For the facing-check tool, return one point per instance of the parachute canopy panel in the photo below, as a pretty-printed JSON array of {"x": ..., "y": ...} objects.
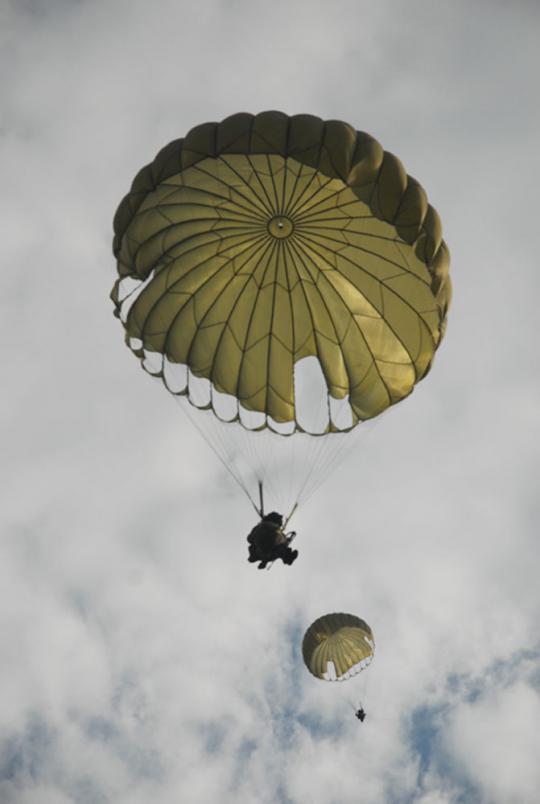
[
  {"x": 337, "y": 646},
  {"x": 265, "y": 239}
]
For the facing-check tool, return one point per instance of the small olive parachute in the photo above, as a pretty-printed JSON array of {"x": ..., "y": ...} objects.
[
  {"x": 337, "y": 646},
  {"x": 282, "y": 273}
]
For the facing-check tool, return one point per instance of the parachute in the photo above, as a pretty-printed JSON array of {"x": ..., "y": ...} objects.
[
  {"x": 337, "y": 646},
  {"x": 285, "y": 276}
]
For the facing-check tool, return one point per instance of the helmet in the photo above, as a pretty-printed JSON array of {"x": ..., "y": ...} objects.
[{"x": 273, "y": 517}]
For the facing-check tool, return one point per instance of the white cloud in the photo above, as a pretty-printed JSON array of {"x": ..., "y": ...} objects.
[
  {"x": 495, "y": 740},
  {"x": 143, "y": 659}
]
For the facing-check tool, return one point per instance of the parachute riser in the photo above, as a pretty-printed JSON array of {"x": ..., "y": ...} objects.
[
  {"x": 292, "y": 512},
  {"x": 261, "y": 500}
]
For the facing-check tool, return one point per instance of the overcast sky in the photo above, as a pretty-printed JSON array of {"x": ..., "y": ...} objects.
[{"x": 142, "y": 658}]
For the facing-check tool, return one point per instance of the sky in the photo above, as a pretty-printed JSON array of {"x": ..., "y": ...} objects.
[{"x": 142, "y": 658}]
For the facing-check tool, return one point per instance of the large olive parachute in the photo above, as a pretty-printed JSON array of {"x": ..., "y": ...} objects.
[
  {"x": 255, "y": 243},
  {"x": 337, "y": 646}
]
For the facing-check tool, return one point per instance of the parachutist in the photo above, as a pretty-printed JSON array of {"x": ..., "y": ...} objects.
[
  {"x": 360, "y": 714},
  {"x": 268, "y": 542},
  {"x": 336, "y": 647}
]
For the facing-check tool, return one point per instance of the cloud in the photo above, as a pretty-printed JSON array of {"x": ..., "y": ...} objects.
[
  {"x": 494, "y": 740},
  {"x": 143, "y": 658}
]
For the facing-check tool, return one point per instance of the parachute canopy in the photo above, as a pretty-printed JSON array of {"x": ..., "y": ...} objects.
[
  {"x": 337, "y": 646},
  {"x": 257, "y": 242}
]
